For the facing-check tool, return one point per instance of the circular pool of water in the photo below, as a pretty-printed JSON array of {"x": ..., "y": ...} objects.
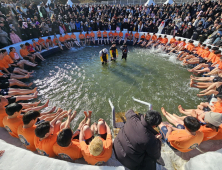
[{"x": 76, "y": 79}]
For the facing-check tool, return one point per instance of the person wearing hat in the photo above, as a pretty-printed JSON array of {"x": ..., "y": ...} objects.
[
  {"x": 124, "y": 49},
  {"x": 95, "y": 149},
  {"x": 103, "y": 54},
  {"x": 211, "y": 126},
  {"x": 113, "y": 52}
]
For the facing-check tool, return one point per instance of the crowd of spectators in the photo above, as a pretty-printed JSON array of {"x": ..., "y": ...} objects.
[{"x": 20, "y": 21}]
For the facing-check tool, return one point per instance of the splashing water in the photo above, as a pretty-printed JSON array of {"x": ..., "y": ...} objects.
[{"x": 76, "y": 79}]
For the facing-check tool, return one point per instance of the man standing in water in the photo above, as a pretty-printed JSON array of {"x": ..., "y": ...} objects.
[
  {"x": 124, "y": 49},
  {"x": 103, "y": 54},
  {"x": 113, "y": 52}
]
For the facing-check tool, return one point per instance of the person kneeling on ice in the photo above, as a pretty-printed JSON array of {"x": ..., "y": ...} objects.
[
  {"x": 103, "y": 54},
  {"x": 137, "y": 145},
  {"x": 124, "y": 49},
  {"x": 113, "y": 52},
  {"x": 185, "y": 137},
  {"x": 95, "y": 149}
]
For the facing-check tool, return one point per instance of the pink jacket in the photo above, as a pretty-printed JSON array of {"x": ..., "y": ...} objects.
[{"x": 15, "y": 38}]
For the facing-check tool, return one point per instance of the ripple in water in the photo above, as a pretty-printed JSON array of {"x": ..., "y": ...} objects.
[{"x": 76, "y": 79}]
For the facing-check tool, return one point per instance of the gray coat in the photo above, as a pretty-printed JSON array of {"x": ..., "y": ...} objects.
[{"x": 4, "y": 38}]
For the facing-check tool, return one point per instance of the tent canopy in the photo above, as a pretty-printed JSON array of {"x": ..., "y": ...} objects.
[
  {"x": 149, "y": 2},
  {"x": 169, "y": 2},
  {"x": 48, "y": 2},
  {"x": 69, "y": 2}
]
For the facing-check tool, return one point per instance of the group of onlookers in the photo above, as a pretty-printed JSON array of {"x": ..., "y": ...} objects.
[{"x": 21, "y": 21}]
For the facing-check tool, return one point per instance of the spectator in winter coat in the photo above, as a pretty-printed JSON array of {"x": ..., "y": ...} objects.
[
  {"x": 14, "y": 38},
  {"x": 3, "y": 38},
  {"x": 138, "y": 145}
]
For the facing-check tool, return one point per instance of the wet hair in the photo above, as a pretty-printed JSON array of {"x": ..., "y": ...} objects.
[
  {"x": 215, "y": 48},
  {"x": 12, "y": 108},
  {"x": 217, "y": 52},
  {"x": 179, "y": 39},
  {"x": 29, "y": 116},
  {"x": 159, "y": 36},
  {"x": 11, "y": 48},
  {"x": 200, "y": 43},
  {"x": 192, "y": 123},
  {"x": 209, "y": 47},
  {"x": 165, "y": 36},
  {"x": 49, "y": 38},
  {"x": 42, "y": 129},
  {"x": 208, "y": 125},
  {"x": 3, "y": 50},
  {"x": 153, "y": 118},
  {"x": 184, "y": 40},
  {"x": 21, "y": 45},
  {"x": 27, "y": 44},
  {"x": 64, "y": 137},
  {"x": 204, "y": 45}
]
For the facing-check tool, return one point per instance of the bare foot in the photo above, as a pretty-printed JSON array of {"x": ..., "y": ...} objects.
[
  {"x": 2, "y": 152},
  {"x": 192, "y": 77},
  {"x": 90, "y": 112},
  {"x": 181, "y": 110},
  {"x": 163, "y": 111},
  {"x": 191, "y": 83},
  {"x": 53, "y": 109},
  {"x": 85, "y": 113},
  {"x": 31, "y": 72},
  {"x": 190, "y": 70},
  {"x": 194, "y": 114},
  {"x": 47, "y": 103},
  {"x": 200, "y": 95},
  {"x": 34, "y": 90},
  {"x": 36, "y": 95},
  {"x": 37, "y": 103},
  {"x": 27, "y": 75},
  {"x": 30, "y": 84}
]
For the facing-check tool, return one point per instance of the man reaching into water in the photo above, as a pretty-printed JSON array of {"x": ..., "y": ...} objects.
[{"x": 103, "y": 54}]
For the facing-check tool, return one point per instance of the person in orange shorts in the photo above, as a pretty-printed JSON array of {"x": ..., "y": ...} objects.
[
  {"x": 120, "y": 36},
  {"x": 33, "y": 52},
  {"x": 115, "y": 36},
  {"x": 13, "y": 120},
  {"x": 153, "y": 40},
  {"x": 95, "y": 150},
  {"x": 31, "y": 119},
  {"x": 87, "y": 38},
  {"x": 142, "y": 39},
  {"x": 46, "y": 134},
  {"x": 110, "y": 36},
  {"x": 147, "y": 40},
  {"x": 73, "y": 37},
  {"x": 67, "y": 146},
  {"x": 92, "y": 37},
  {"x": 99, "y": 36},
  {"x": 68, "y": 39},
  {"x": 43, "y": 43},
  {"x": 57, "y": 42},
  {"x": 136, "y": 37},
  {"x": 158, "y": 41},
  {"x": 37, "y": 46},
  {"x": 49, "y": 41},
  {"x": 105, "y": 37},
  {"x": 18, "y": 61},
  {"x": 63, "y": 41},
  {"x": 82, "y": 39},
  {"x": 185, "y": 136}
]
